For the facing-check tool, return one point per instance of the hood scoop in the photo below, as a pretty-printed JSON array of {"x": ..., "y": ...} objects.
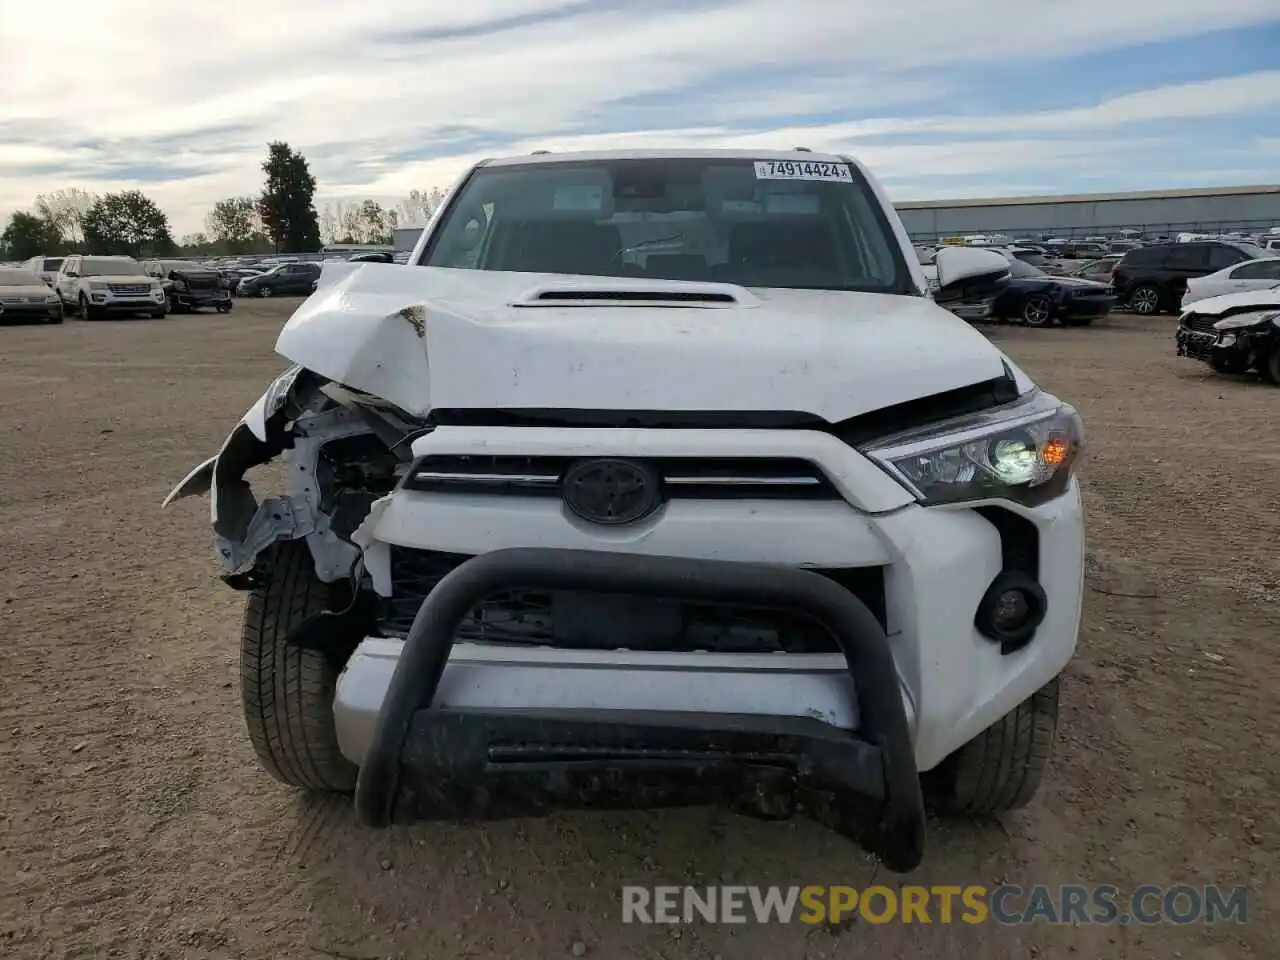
[{"x": 638, "y": 293}]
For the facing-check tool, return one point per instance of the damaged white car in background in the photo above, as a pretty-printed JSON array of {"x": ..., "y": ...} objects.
[{"x": 656, "y": 478}]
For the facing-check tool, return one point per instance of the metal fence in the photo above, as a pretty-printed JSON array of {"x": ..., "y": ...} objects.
[{"x": 1112, "y": 231}]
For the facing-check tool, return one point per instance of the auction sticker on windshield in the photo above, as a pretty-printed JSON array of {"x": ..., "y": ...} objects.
[{"x": 803, "y": 170}]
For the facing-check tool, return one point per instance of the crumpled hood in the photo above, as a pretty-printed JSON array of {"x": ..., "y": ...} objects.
[
  {"x": 1213, "y": 306},
  {"x": 428, "y": 338}
]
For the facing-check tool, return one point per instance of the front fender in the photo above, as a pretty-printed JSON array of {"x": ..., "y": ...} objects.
[{"x": 257, "y": 421}]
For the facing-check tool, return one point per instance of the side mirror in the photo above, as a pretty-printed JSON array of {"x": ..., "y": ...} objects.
[{"x": 966, "y": 273}]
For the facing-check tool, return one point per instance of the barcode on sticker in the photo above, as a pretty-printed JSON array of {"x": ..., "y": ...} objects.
[{"x": 803, "y": 170}]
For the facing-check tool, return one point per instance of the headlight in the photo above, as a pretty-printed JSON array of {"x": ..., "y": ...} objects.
[
  {"x": 278, "y": 392},
  {"x": 99, "y": 285},
  {"x": 51, "y": 299},
  {"x": 179, "y": 285},
  {"x": 1024, "y": 452},
  {"x": 1245, "y": 320}
]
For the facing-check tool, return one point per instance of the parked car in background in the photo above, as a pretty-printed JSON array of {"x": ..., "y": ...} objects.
[
  {"x": 1152, "y": 279},
  {"x": 96, "y": 287},
  {"x": 232, "y": 276},
  {"x": 46, "y": 268},
  {"x": 971, "y": 302},
  {"x": 1075, "y": 249},
  {"x": 1243, "y": 277},
  {"x": 1234, "y": 333},
  {"x": 189, "y": 286},
  {"x": 1037, "y": 299},
  {"x": 288, "y": 279},
  {"x": 25, "y": 297},
  {"x": 1100, "y": 269}
]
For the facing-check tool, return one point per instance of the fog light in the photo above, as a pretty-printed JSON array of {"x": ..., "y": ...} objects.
[{"x": 1011, "y": 610}]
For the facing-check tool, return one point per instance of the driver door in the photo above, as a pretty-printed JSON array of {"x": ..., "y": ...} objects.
[{"x": 65, "y": 283}]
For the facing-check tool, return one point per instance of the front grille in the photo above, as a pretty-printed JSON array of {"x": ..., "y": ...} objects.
[
  {"x": 588, "y": 621},
  {"x": 202, "y": 283},
  {"x": 129, "y": 289},
  {"x": 1200, "y": 323},
  {"x": 702, "y": 478},
  {"x": 16, "y": 300}
]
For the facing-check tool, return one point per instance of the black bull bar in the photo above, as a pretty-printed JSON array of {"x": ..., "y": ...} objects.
[{"x": 444, "y": 763}]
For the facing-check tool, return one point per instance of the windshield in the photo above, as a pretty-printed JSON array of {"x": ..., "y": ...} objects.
[
  {"x": 1018, "y": 268},
  {"x": 801, "y": 225},
  {"x": 102, "y": 267},
  {"x": 19, "y": 278}
]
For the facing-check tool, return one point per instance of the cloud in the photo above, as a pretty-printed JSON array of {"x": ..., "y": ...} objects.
[{"x": 386, "y": 97}]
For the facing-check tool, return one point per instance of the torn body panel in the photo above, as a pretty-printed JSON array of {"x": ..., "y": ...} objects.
[{"x": 327, "y": 493}]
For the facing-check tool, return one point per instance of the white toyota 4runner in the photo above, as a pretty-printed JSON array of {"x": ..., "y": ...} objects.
[{"x": 655, "y": 478}]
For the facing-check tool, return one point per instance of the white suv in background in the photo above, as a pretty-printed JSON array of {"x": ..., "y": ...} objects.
[
  {"x": 96, "y": 287},
  {"x": 45, "y": 267}
]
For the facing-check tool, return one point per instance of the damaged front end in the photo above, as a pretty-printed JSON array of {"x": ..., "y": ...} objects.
[{"x": 342, "y": 450}]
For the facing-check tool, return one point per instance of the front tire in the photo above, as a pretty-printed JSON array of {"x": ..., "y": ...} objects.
[
  {"x": 264, "y": 291},
  {"x": 1269, "y": 368},
  {"x": 1228, "y": 364},
  {"x": 1145, "y": 300},
  {"x": 1037, "y": 312},
  {"x": 87, "y": 312},
  {"x": 287, "y": 691},
  {"x": 1001, "y": 768}
]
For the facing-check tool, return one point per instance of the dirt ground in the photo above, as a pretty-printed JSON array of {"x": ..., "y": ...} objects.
[{"x": 134, "y": 821}]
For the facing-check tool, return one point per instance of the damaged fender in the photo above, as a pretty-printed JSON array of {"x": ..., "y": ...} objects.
[{"x": 242, "y": 527}]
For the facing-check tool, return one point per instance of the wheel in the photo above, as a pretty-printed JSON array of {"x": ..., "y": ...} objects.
[
  {"x": 1001, "y": 768},
  {"x": 56, "y": 318},
  {"x": 1145, "y": 299},
  {"x": 1229, "y": 364},
  {"x": 264, "y": 291},
  {"x": 158, "y": 314},
  {"x": 1076, "y": 321},
  {"x": 224, "y": 308},
  {"x": 287, "y": 691},
  {"x": 1269, "y": 367},
  {"x": 1037, "y": 312},
  {"x": 87, "y": 312}
]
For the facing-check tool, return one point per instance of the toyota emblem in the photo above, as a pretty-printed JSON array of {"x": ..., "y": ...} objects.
[{"x": 612, "y": 492}]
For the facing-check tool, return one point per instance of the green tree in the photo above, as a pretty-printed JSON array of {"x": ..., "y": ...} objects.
[
  {"x": 234, "y": 223},
  {"x": 129, "y": 223},
  {"x": 28, "y": 235},
  {"x": 287, "y": 204},
  {"x": 65, "y": 211}
]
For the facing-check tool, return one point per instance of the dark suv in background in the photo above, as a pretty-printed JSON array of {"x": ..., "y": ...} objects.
[{"x": 1154, "y": 278}]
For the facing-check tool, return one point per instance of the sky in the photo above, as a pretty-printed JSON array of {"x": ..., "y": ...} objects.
[{"x": 941, "y": 98}]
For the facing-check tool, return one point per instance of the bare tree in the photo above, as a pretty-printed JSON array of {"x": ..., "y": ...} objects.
[
  {"x": 65, "y": 210},
  {"x": 419, "y": 205}
]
